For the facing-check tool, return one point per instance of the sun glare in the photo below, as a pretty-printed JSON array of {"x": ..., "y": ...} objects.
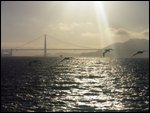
[
  {"x": 81, "y": 9},
  {"x": 100, "y": 11},
  {"x": 103, "y": 23}
]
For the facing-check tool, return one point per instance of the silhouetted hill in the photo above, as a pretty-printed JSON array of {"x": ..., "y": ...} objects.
[{"x": 126, "y": 49}]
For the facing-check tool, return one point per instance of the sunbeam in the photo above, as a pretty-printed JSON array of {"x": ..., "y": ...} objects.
[{"x": 103, "y": 23}]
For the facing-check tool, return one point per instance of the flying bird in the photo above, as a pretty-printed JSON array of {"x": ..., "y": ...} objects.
[
  {"x": 139, "y": 52},
  {"x": 106, "y": 51}
]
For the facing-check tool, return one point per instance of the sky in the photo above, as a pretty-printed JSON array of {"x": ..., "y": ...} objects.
[{"x": 77, "y": 24}]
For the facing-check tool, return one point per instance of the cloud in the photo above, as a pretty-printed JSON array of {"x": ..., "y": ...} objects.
[
  {"x": 122, "y": 32},
  {"x": 74, "y": 26},
  {"x": 125, "y": 33},
  {"x": 64, "y": 27},
  {"x": 146, "y": 33},
  {"x": 119, "y": 32},
  {"x": 142, "y": 34},
  {"x": 89, "y": 34}
]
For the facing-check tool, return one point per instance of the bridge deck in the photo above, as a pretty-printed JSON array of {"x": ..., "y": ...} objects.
[{"x": 43, "y": 49}]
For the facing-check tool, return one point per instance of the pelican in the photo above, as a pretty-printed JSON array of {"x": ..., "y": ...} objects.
[
  {"x": 139, "y": 52},
  {"x": 106, "y": 50}
]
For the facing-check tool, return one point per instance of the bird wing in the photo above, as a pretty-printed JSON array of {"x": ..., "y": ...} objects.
[
  {"x": 62, "y": 60},
  {"x": 104, "y": 54},
  {"x": 135, "y": 54}
]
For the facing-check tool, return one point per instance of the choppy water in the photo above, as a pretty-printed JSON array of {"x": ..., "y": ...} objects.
[{"x": 78, "y": 84}]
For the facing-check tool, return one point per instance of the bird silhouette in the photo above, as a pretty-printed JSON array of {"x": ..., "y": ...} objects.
[
  {"x": 106, "y": 51},
  {"x": 139, "y": 52}
]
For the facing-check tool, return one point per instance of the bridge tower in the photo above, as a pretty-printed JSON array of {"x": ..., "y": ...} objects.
[{"x": 45, "y": 49}]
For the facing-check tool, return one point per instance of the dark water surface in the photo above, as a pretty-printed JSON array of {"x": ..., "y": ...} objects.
[{"x": 76, "y": 84}]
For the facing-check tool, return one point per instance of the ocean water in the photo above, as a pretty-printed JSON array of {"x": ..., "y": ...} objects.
[{"x": 75, "y": 84}]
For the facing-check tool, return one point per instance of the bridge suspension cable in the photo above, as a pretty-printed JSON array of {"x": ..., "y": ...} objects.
[
  {"x": 35, "y": 39},
  {"x": 66, "y": 42},
  {"x": 54, "y": 38}
]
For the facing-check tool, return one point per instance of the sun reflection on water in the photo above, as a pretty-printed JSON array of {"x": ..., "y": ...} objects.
[
  {"x": 80, "y": 84},
  {"x": 96, "y": 87}
]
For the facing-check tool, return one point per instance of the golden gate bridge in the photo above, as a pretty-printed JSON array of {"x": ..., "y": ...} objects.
[{"x": 9, "y": 52}]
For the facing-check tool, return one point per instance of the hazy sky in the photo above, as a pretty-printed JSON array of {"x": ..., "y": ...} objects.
[{"x": 90, "y": 24}]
